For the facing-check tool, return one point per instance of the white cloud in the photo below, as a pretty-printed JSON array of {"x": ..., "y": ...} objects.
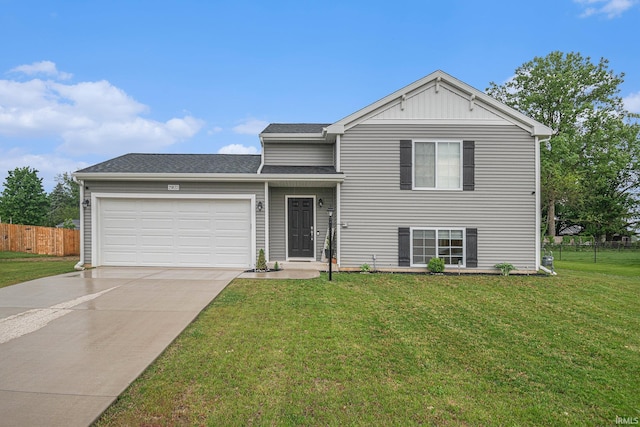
[
  {"x": 238, "y": 149},
  {"x": 88, "y": 117},
  {"x": 610, "y": 8},
  {"x": 251, "y": 127},
  {"x": 46, "y": 68},
  {"x": 214, "y": 130},
  {"x": 632, "y": 102}
]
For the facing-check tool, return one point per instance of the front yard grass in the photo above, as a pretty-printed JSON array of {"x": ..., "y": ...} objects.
[
  {"x": 386, "y": 349},
  {"x": 16, "y": 267}
]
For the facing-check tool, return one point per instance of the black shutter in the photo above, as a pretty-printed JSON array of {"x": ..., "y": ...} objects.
[
  {"x": 404, "y": 247},
  {"x": 406, "y": 172},
  {"x": 472, "y": 247},
  {"x": 468, "y": 166}
]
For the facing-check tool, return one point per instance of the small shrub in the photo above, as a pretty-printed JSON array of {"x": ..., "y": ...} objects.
[
  {"x": 262, "y": 261},
  {"x": 276, "y": 266},
  {"x": 436, "y": 265},
  {"x": 365, "y": 268},
  {"x": 505, "y": 268}
]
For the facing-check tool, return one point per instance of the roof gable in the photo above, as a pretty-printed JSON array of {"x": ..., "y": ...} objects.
[{"x": 440, "y": 97}]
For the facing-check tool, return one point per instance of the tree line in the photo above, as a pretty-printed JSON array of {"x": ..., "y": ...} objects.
[
  {"x": 24, "y": 200},
  {"x": 590, "y": 166}
]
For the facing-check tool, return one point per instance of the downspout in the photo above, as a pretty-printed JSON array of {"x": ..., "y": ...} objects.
[
  {"x": 266, "y": 220},
  {"x": 538, "y": 143},
  {"x": 261, "y": 155},
  {"x": 80, "y": 264}
]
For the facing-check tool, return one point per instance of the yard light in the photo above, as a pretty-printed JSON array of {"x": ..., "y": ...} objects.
[{"x": 86, "y": 203}]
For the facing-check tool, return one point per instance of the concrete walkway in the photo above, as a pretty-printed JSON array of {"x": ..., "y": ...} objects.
[
  {"x": 291, "y": 270},
  {"x": 70, "y": 344}
]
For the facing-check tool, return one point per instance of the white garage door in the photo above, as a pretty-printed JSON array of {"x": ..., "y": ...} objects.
[{"x": 175, "y": 232}]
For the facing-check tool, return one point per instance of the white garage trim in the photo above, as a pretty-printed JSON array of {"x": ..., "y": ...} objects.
[{"x": 96, "y": 199}]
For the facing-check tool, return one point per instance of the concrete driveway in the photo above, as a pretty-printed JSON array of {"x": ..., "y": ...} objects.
[{"x": 70, "y": 344}]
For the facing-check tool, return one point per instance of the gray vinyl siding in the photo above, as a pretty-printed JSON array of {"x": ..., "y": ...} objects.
[
  {"x": 161, "y": 188},
  {"x": 502, "y": 207},
  {"x": 298, "y": 154},
  {"x": 277, "y": 212}
]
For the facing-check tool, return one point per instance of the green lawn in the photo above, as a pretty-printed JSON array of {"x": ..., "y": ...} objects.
[
  {"x": 16, "y": 267},
  {"x": 613, "y": 262},
  {"x": 386, "y": 349}
]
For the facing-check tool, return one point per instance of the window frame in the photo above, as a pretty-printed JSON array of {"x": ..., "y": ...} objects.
[
  {"x": 437, "y": 142},
  {"x": 437, "y": 247}
]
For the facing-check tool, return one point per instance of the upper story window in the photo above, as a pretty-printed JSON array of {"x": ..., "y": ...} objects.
[{"x": 437, "y": 165}]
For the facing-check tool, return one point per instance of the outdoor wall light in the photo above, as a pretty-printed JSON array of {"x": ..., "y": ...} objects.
[
  {"x": 86, "y": 203},
  {"x": 260, "y": 206},
  {"x": 320, "y": 203}
]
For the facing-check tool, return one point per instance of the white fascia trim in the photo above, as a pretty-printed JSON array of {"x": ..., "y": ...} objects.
[{"x": 207, "y": 177}]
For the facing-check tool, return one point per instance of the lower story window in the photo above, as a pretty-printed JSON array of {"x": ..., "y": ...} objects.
[{"x": 427, "y": 243}]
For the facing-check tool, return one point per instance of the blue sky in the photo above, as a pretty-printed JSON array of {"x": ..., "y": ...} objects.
[{"x": 85, "y": 81}]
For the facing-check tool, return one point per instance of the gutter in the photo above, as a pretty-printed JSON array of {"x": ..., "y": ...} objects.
[{"x": 207, "y": 177}]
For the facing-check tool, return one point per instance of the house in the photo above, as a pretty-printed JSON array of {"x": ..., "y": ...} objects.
[{"x": 436, "y": 168}]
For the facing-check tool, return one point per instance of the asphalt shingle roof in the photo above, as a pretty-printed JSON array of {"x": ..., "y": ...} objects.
[
  {"x": 178, "y": 163},
  {"x": 295, "y": 127}
]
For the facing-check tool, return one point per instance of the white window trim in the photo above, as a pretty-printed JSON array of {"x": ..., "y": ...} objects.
[
  {"x": 413, "y": 163},
  {"x": 436, "y": 229}
]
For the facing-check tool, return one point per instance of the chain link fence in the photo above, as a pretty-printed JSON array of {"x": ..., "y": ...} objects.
[{"x": 583, "y": 249}]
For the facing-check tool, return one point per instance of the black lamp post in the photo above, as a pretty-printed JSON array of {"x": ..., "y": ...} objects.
[{"x": 330, "y": 211}]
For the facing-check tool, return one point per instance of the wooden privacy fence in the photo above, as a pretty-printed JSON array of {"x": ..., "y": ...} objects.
[{"x": 39, "y": 240}]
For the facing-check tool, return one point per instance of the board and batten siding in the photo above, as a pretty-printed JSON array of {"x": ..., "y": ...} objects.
[
  {"x": 502, "y": 206},
  {"x": 298, "y": 154},
  {"x": 122, "y": 187},
  {"x": 277, "y": 215}
]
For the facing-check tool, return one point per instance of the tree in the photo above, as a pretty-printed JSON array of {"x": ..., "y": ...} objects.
[
  {"x": 24, "y": 200},
  {"x": 64, "y": 200},
  {"x": 579, "y": 100}
]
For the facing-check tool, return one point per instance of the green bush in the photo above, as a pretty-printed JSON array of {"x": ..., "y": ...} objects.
[
  {"x": 505, "y": 268},
  {"x": 262, "y": 261},
  {"x": 436, "y": 265}
]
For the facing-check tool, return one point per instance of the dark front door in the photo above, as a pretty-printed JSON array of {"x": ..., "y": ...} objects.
[{"x": 300, "y": 228}]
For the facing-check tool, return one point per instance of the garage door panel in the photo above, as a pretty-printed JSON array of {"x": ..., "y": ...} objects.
[
  {"x": 195, "y": 224},
  {"x": 175, "y": 232}
]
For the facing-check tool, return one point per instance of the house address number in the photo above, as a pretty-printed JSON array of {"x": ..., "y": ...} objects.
[{"x": 173, "y": 187}]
